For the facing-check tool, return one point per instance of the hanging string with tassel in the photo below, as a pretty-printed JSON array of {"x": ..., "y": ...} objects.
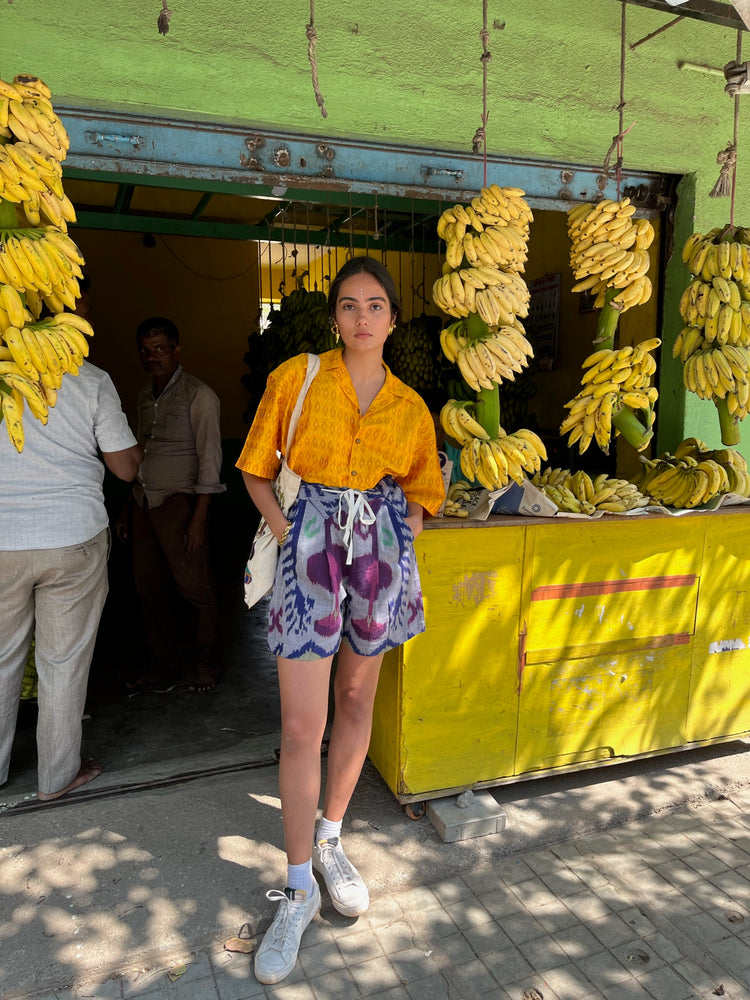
[
  {"x": 312, "y": 41},
  {"x": 479, "y": 142},
  {"x": 727, "y": 158},
  {"x": 164, "y": 18}
]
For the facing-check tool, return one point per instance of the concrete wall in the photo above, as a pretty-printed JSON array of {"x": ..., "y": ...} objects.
[{"x": 404, "y": 71}]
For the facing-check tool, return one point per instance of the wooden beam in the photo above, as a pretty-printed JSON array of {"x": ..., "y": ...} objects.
[{"x": 710, "y": 11}]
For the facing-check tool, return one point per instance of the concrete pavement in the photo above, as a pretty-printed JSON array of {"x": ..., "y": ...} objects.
[{"x": 628, "y": 881}]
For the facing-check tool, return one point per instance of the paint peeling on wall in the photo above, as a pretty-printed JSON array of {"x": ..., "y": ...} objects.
[
  {"x": 726, "y": 645},
  {"x": 474, "y": 588}
]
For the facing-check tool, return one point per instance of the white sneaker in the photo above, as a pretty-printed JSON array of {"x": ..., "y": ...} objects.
[
  {"x": 277, "y": 955},
  {"x": 344, "y": 883}
]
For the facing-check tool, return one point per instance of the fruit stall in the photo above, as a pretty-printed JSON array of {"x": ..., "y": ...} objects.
[
  {"x": 553, "y": 642},
  {"x": 555, "y": 645}
]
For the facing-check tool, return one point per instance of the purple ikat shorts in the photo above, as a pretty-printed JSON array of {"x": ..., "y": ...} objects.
[{"x": 346, "y": 573}]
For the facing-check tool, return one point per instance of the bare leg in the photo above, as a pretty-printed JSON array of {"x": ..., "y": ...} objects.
[
  {"x": 303, "y": 686},
  {"x": 355, "y": 686}
]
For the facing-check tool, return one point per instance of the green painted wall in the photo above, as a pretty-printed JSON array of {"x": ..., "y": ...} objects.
[{"x": 406, "y": 71}]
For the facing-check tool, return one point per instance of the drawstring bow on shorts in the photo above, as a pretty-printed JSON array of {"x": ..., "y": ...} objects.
[{"x": 353, "y": 507}]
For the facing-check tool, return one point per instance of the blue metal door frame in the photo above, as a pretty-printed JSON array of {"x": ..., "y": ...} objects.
[{"x": 133, "y": 149}]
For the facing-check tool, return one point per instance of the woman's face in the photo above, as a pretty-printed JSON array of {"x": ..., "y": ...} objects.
[{"x": 363, "y": 313}]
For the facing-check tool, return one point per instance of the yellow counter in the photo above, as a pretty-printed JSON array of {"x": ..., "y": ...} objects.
[{"x": 558, "y": 643}]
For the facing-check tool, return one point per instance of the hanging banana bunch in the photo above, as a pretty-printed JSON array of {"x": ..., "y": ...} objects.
[
  {"x": 714, "y": 345},
  {"x": 39, "y": 263},
  {"x": 609, "y": 250},
  {"x": 487, "y": 359},
  {"x": 609, "y": 258},
  {"x": 486, "y": 252},
  {"x": 299, "y": 325},
  {"x": 612, "y": 381},
  {"x": 412, "y": 352},
  {"x": 482, "y": 286}
]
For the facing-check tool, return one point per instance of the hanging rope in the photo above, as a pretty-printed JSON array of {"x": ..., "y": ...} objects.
[
  {"x": 164, "y": 18},
  {"x": 312, "y": 41},
  {"x": 479, "y": 142},
  {"x": 727, "y": 158},
  {"x": 412, "y": 261},
  {"x": 617, "y": 141},
  {"x": 328, "y": 245},
  {"x": 351, "y": 229}
]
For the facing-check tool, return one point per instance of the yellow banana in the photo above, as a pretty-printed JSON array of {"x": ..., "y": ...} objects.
[
  {"x": 12, "y": 303},
  {"x": 21, "y": 355},
  {"x": 471, "y": 425},
  {"x": 12, "y": 411},
  {"x": 32, "y": 394}
]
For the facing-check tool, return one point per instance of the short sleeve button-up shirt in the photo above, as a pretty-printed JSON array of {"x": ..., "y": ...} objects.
[{"x": 336, "y": 445}]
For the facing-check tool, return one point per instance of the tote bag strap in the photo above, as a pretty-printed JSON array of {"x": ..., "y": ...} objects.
[{"x": 313, "y": 364}]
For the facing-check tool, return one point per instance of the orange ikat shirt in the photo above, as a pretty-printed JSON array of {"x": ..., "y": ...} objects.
[{"x": 335, "y": 445}]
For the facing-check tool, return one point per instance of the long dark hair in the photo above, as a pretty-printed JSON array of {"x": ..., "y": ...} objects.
[{"x": 366, "y": 265}]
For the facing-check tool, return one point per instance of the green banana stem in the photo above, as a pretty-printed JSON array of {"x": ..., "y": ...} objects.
[
  {"x": 8, "y": 219},
  {"x": 729, "y": 425},
  {"x": 488, "y": 410},
  {"x": 475, "y": 326},
  {"x": 607, "y": 325},
  {"x": 631, "y": 428}
]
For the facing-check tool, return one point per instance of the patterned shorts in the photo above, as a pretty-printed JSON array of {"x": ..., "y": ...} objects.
[{"x": 347, "y": 572}]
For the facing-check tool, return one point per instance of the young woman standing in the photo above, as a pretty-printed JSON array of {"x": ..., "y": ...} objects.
[{"x": 346, "y": 580}]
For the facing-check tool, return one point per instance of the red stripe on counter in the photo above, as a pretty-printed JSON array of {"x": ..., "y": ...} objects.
[
  {"x": 558, "y": 590},
  {"x": 678, "y": 639}
]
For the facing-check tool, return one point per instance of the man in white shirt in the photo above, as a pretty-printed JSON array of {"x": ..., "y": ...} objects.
[{"x": 54, "y": 543}]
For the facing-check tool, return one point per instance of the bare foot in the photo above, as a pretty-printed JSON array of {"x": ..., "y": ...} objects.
[
  {"x": 148, "y": 684},
  {"x": 89, "y": 770},
  {"x": 206, "y": 679}
]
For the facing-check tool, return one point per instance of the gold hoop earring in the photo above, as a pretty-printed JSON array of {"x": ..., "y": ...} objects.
[{"x": 391, "y": 328}]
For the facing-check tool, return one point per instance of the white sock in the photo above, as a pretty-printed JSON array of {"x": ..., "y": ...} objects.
[
  {"x": 328, "y": 828},
  {"x": 300, "y": 876}
]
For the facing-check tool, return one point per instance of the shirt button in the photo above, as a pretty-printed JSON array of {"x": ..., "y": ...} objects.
[
  {"x": 358, "y": 440},
  {"x": 354, "y": 473}
]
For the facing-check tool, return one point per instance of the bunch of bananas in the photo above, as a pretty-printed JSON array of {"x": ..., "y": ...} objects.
[
  {"x": 486, "y": 252},
  {"x": 300, "y": 325},
  {"x": 42, "y": 264},
  {"x": 459, "y": 495},
  {"x": 610, "y": 250},
  {"x": 694, "y": 474},
  {"x": 459, "y": 424},
  {"x": 734, "y": 465},
  {"x": 714, "y": 344},
  {"x": 719, "y": 372},
  {"x": 30, "y": 171},
  {"x": 411, "y": 352},
  {"x": 514, "y": 400},
  {"x": 489, "y": 359},
  {"x": 612, "y": 379},
  {"x": 34, "y": 356},
  {"x": 39, "y": 264},
  {"x": 579, "y": 493},
  {"x": 493, "y": 461},
  {"x": 497, "y": 296},
  {"x": 684, "y": 482}
]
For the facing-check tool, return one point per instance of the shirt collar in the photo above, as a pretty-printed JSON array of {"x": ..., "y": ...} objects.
[
  {"x": 170, "y": 384},
  {"x": 334, "y": 361}
]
